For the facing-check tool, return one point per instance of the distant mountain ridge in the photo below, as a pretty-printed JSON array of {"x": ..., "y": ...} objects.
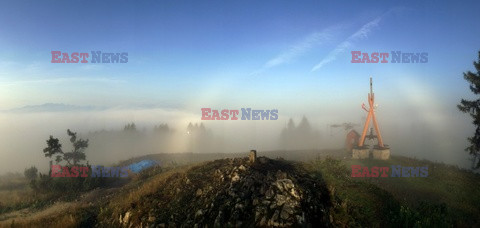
[
  {"x": 60, "y": 107},
  {"x": 54, "y": 107}
]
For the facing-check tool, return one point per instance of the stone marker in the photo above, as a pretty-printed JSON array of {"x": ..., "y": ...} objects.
[
  {"x": 252, "y": 157},
  {"x": 381, "y": 154},
  {"x": 360, "y": 153}
]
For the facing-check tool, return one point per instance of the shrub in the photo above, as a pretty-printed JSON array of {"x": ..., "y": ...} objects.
[{"x": 31, "y": 173}]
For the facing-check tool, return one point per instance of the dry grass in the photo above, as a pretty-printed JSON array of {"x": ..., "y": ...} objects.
[
  {"x": 15, "y": 197},
  {"x": 136, "y": 190},
  {"x": 14, "y": 190},
  {"x": 62, "y": 214}
]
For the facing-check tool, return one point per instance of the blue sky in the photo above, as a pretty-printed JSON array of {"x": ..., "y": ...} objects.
[
  {"x": 293, "y": 56},
  {"x": 227, "y": 53}
]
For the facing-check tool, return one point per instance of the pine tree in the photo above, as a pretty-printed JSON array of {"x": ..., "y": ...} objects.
[
  {"x": 130, "y": 127},
  {"x": 304, "y": 126},
  {"x": 472, "y": 107},
  {"x": 54, "y": 148}
]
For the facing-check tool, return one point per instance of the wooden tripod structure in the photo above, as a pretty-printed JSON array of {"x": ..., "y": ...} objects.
[{"x": 371, "y": 115}]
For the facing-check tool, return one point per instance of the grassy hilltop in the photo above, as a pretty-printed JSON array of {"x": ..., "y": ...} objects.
[{"x": 316, "y": 189}]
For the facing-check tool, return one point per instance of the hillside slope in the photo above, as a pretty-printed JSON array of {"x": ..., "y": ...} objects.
[
  {"x": 229, "y": 192},
  {"x": 271, "y": 192}
]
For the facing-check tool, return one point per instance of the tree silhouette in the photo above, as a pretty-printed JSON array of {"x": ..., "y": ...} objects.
[
  {"x": 131, "y": 127},
  {"x": 73, "y": 157},
  {"x": 291, "y": 124},
  {"x": 472, "y": 107},
  {"x": 161, "y": 129},
  {"x": 304, "y": 126},
  {"x": 31, "y": 173},
  {"x": 298, "y": 137},
  {"x": 53, "y": 148},
  {"x": 199, "y": 138}
]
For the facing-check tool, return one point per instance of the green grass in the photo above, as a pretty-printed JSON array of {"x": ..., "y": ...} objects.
[
  {"x": 448, "y": 196},
  {"x": 446, "y": 184},
  {"x": 355, "y": 203}
]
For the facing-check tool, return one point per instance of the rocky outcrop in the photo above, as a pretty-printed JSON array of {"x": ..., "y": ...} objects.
[{"x": 235, "y": 193}]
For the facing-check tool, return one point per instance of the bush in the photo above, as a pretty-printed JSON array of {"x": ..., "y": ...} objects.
[
  {"x": 31, "y": 173},
  {"x": 68, "y": 185}
]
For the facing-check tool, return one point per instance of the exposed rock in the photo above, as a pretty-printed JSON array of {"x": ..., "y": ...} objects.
[
  {"x": 242, "y": 168},
  {"x": 199, "y": 213},
  {"x": 126, "y": 218},
  {"x": 235, "y": 177},
  {"x": 265, "y": 193}
]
